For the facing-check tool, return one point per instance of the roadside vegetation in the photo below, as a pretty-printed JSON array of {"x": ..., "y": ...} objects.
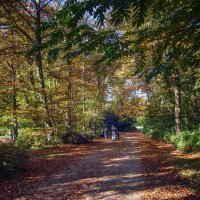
[{"x": 70, "y": 68}]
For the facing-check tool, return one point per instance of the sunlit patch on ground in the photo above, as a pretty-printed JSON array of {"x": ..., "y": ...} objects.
[
  {"x": 188, "y": 167},
  {"x": 132, "y": 168},
  {"x": 162, "y": 173}
]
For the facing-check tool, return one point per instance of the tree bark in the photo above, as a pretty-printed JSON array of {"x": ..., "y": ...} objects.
[
  {"x": 195, "y": 95},
  {"x": 14, "y": 104},
  {"x": 177, "y": 94},
  {"x": 69, "y": 113},
  {"x": 39, "y": 66},
  {"x": 83, "y": 96},
  {"x": 26, "y": 97}
]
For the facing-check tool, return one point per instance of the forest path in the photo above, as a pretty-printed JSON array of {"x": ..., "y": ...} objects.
[
  {"x": 109, "y": 171},
  {"x": 103, "y": 169},
  {"x": 132, "y": 168}
]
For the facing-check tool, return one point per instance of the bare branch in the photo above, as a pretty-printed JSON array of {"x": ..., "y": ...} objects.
[
  {"x": 25, "y": 8},
  {"x": 18, "y": 27}
]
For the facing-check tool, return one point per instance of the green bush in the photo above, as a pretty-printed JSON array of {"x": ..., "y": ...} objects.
[
  {"x": 170, "y": 137},
  {"x": 156, "y": 134},
  {"x": 24, "y": 140},
  {"x": 39, "y": 140},
  {"x": 162, "y": 127},
  {"x": 12, "y": 158},
  {"x": 140, "y": 121},
  {"x": 188, "y": 141},
  {"x": 76, "y": 138},
  {"x": 27, "y": 139},
  {"x": 185, "y": 141},
  {"x": 158, "y": 125}
]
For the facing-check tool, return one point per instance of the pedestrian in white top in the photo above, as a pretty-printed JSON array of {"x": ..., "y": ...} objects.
[
  {"x": 113, "y": 132},
  {"x": 105, "y": 131}
]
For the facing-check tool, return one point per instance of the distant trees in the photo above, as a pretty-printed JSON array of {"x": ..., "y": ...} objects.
[
  {"x": 25, "y": 19},
  {"x": 44, "y": 88},
  {"x": 22, "y": 21},
  {"x": 162, "y": 40},
  {"x": 64, "y": 64}
]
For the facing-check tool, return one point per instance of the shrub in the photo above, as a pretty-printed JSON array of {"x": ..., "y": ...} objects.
[
  {"x": 12, "y": 158},
  {"x": 158, "y": 125},
  {"x": 39, "y": 140},
  {"x": 156, "y": 134},
  {"x": 76, "y": 138},
  {"x": 27, "y": 139},
  {"x": 188, "y": 141},
  {"x": 24, "y": 140},
  {"x": 170, "y": 137},
  {"x": 140, "y": 121}
]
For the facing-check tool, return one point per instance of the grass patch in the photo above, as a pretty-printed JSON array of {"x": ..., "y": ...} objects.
[{"x": 188, "y": 166}]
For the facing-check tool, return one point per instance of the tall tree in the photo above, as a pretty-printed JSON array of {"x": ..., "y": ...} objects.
[{"x": 27, "y": 17}]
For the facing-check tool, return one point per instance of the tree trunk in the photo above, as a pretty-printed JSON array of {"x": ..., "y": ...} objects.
[
  {"x": 24, "y": 93},
  {"x": 83, "y": 96},
  {"x": 26, "y": 97},
  {"x": 69, "y": 115},
  {"x": 14, "y": 105},
  {"x": 177, "y": 103},
  {"x": 195, "y": 96},
  {"x": 95, "y": 127},
  {"x": 39, "y": 66}
]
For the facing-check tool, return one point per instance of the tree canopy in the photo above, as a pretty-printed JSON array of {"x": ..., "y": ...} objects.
[{"x": 67, "y": 63}]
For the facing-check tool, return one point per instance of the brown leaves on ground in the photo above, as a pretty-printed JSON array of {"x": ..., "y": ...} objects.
[
  {"x": 188, "y": 167},
  {"x": 102, "y": 168},
  {"x": 45, "y": 163},
  {"x": 161, "y": 176}
]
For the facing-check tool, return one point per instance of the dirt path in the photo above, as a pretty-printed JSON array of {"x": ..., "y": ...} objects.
[
  {"x": 109, "y": 172},
  {"x": 103, "y": 170},
  {"x": 119, "y": 174},
  {"x": 132, "y": 168}
]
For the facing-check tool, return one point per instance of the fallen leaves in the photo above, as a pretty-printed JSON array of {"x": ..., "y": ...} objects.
[
  {"x": 161, "y": 176},
  {"x": 76, "y": 171}
]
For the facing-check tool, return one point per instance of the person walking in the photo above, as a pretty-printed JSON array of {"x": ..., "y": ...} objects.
[
  {"x": 113, "y": 132},
  {"x": 105, "y": 131},
  {"x": 102, "y": 133}
]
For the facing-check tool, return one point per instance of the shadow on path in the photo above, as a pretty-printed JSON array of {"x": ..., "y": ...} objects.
[{"x": 102, "y": 170}]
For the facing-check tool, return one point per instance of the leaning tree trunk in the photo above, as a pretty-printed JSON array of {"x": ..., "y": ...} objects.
[
  {"x": 14, "y": 104},
  {"x": 40, "y": 73},
  {"x": 177, "y": 103}
]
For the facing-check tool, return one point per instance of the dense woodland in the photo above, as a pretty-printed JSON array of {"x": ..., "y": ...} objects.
[{"x": 68, "y": 66}]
